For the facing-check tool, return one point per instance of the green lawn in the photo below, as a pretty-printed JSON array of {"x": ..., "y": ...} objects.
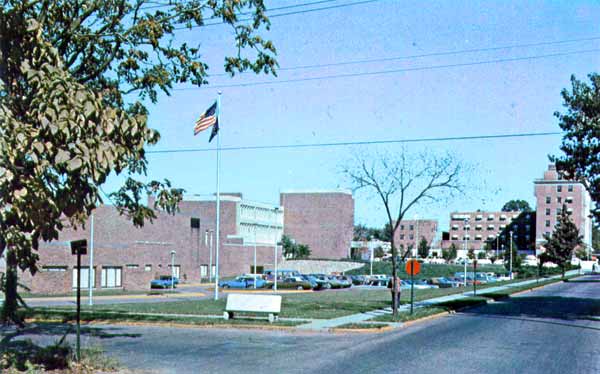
[
  {"x": 84, "y": 293},
  {"x": 317, "y": 305},
  {"x": 427, "y": 270},
  {"x": 431, "y": 310}
]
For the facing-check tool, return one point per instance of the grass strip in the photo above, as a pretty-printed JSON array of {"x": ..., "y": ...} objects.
[
  {"x": 67, "y": 315},
  {"x": 362, "y": 326},
  {"x": 427, "y": 311}
]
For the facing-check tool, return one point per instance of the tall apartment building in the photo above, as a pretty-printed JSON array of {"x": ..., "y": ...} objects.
[
  {"x": 126, "y": 257},
  {"x": 322, "y": 219},
  {"x": 552, "y": 192},
  {"x": 475, "y": 229},
  {"x": 410, "y": 233}
]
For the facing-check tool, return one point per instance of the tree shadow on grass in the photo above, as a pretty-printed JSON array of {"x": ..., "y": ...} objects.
[
  {"x": 19, "y": 350},
  {"x": 543, "y": 309}
]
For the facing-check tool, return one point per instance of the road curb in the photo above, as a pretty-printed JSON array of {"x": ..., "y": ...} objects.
[{"x": 372, "y": 330}]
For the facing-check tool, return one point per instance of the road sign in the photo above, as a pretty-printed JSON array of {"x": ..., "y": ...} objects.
[
  {"x": 79, "y": 247},
  {"x": 413, "y": 267}
]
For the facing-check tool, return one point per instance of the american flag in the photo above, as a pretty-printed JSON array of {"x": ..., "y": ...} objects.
[{"x": 206, "y": 120}]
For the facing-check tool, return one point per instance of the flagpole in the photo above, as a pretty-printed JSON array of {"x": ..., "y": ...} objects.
[{"x": 218, "y": 207}]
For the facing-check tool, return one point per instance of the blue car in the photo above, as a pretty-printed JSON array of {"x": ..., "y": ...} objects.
[
  {"x": 164, "y": 282},
  {"x": 243, "y": 282}
]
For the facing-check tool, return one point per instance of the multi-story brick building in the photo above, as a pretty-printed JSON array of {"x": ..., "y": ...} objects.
[
  {"x": 324, "y": 220},
  {"x": 129, "y": 258},
  {"x": 552, "y": 193},
  {"x": 410, "y": 232},
  {"x": 475, "y": 229}
]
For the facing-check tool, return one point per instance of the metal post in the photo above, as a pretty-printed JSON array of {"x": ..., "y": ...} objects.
[
  {"x": 210, "y": 260},
  {"x": 416, "y": 237},
  {"x": 78, "y": 305},
  {"x": 172, "y": 270},
  {"x": 466, "y": 252},
  {"x": 218, "y": 207},
  {"x": 91, "y": 272},
  {"x": 254, "y": 270},
  {"x": 412, "y": 286},
  {"x": 511, "y": 255},
  {"x": 370, "y": 244},
  {"x": 474, "y": 277},
  {"x": 275, "y": 283}
]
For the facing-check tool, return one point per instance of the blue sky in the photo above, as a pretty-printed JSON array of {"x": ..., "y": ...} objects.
[{"x": 509, "y": 97}]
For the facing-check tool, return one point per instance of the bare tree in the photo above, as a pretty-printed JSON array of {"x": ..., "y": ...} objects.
[{"x": 402, "y": 182}]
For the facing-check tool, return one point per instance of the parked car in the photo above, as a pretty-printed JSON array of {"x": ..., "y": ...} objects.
[
  {"x": 162, "y": 283},
  {"x": 322, "y": 281},
  {"x": 419, "y": 284},
  {"x": 243, "y": 281},
  {"x": 281, "y": 273},
  {"x": 295, "y": 283},
  {"x": 358, "y": 280},
  {"x": 344, "y": 280},
  {"x": 167, "y": 278},
  {"x": 316, "y": 284},
  {"x": 333, "y": 283},
  {"x": 443, "y": 282}
]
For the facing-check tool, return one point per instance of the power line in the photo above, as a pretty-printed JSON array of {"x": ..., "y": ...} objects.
[
  {"x": 283, "y": 14},
  {"x": 392, "y": 71},
  {"x": 370, "y": 142},
  {"x": 432, "y": 54}
]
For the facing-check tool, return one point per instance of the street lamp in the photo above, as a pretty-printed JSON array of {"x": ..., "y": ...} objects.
[
  {"x": 466, "y": 251},
  {"x": 511, "y": 254},
  {"x": 497, "y": 238},
  {"x": 172, "y": 269}
]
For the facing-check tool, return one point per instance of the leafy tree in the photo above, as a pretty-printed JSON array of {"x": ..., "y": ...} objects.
[
  {"x": 517, "y": 205},
  {"x": 471, "y": 253},
  {"x": 401, "y": 182},
  {"x": 450, "y": 253},
  {"x": 378, "y": 252},
  {"x": 76, "y": 77},
  {"x": 581, "y": 142},
  {"x": 423, "y": 248},
  {"x": 516, "y": 259},
  {"x": 596, "y": 239},
  {"x": 481, "y": 255},
  {"x": 386, "y": 233},
  {"x": 362, "y": 232},
  {"x": 292, "y": 250},
  {"x": 563, "y": 241}
]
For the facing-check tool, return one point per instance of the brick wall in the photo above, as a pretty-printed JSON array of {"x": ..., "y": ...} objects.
[{"x": 322, "y": 220}]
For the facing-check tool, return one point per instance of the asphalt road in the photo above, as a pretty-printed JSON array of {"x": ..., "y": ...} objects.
[{"x": 553, "y": 330}]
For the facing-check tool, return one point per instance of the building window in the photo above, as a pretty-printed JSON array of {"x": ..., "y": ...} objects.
[
  {"x": 467, "y": 228},
  {"x": 570, "y": 188},
  {"x": 454, "y": 227},
  {"x": 401, "y": 227},
  {"x": 558, "y": 211},
  {"x": 490, "y": 217},
  {"x": 479, "y": 217},
  {"x": 148, "y": 267},
  {"x": 569, "y": 199},
  {"x": 132, "y": 266},
  {"x": 547, "y": 211},
  {"x": 111, "y": 277},
  {"x": 411, "y": 236},
  {"x": 490, "y": 227},
  {"x": 547, "y": 223},
  {"x": 559, "y": 199},
  {"x": 527, "y": 227},
  {"x": 558, "y": 188},
  {"x": 203, "y": 271},
  {"x": 85, "y": 277},
  {"x": 411, "y": 227},
  {"x": 548, "y": 199},
  {"x": 528, "y": 217},
  {"x": 503, "y": 217},
  {"x": 54, "y": 268},
  {"x": 401, "y": 236},
  {"x": 466, "y": 237},
  {"x": 454, "y": 237}
]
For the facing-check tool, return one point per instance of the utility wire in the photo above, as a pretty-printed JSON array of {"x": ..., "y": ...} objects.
[
  {"x": 370, "y": 142},
  {"x": 283, "y": 14},
  {"x": 432, "y": 54},
  {"x": 392, "y": 71}
]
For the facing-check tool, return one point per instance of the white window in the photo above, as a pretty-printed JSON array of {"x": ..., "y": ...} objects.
[
  {"x": 148, "y": 267},
  {"x": 478, "y": 237},
  {"x": 203, "y": 271},
  {"x": 111, "y": 277},
  {"x": 132, "y": 266},
  {"x": 490, "y": 217},
  {"x": 478, "y": 217},
  {"x": 490, "y": 227},
  {"x": 214, "y": 270},
  {"x": 454, "y": 237},
  {"x": 478, "y": 227},
  {"x": 84, "y": 277}
]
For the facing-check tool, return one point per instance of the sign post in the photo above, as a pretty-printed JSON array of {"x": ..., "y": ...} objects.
[
  {"x": 79, "y": 247},
  {"x": 474, "y": 277},
  {"x": 413, "y": 267}
]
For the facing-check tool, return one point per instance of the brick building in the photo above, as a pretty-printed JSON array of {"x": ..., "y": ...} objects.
[
  {"x": 410, "y": 233},
  {"x": 324, "y": 220},
  {"x": 126, "y": 257},
  {"x": 552, "y": 192},
  {"x": 475, "y": 229}
]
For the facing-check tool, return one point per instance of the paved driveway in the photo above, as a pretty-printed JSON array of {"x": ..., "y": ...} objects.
[{"x": 553, "y": 330}]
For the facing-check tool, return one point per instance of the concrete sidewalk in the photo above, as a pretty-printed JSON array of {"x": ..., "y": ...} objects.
[{"x": 323, "y": 325}]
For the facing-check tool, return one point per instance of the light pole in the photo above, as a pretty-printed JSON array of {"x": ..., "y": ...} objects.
[
  {"x": 172, "y": 270},
  {"x": 466, "y": 251},
  {"x": 254, "y": 270},
  {"x": 370, "y": 244},
  {"x": 511, "y": 255}
]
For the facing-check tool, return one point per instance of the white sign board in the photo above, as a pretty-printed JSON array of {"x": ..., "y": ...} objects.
[{"x": 253, "y": 303}]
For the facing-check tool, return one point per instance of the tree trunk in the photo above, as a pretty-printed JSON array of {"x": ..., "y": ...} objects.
[
  {"x": 394, "y": 274},
  {"x": 9, "y": 308}
]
